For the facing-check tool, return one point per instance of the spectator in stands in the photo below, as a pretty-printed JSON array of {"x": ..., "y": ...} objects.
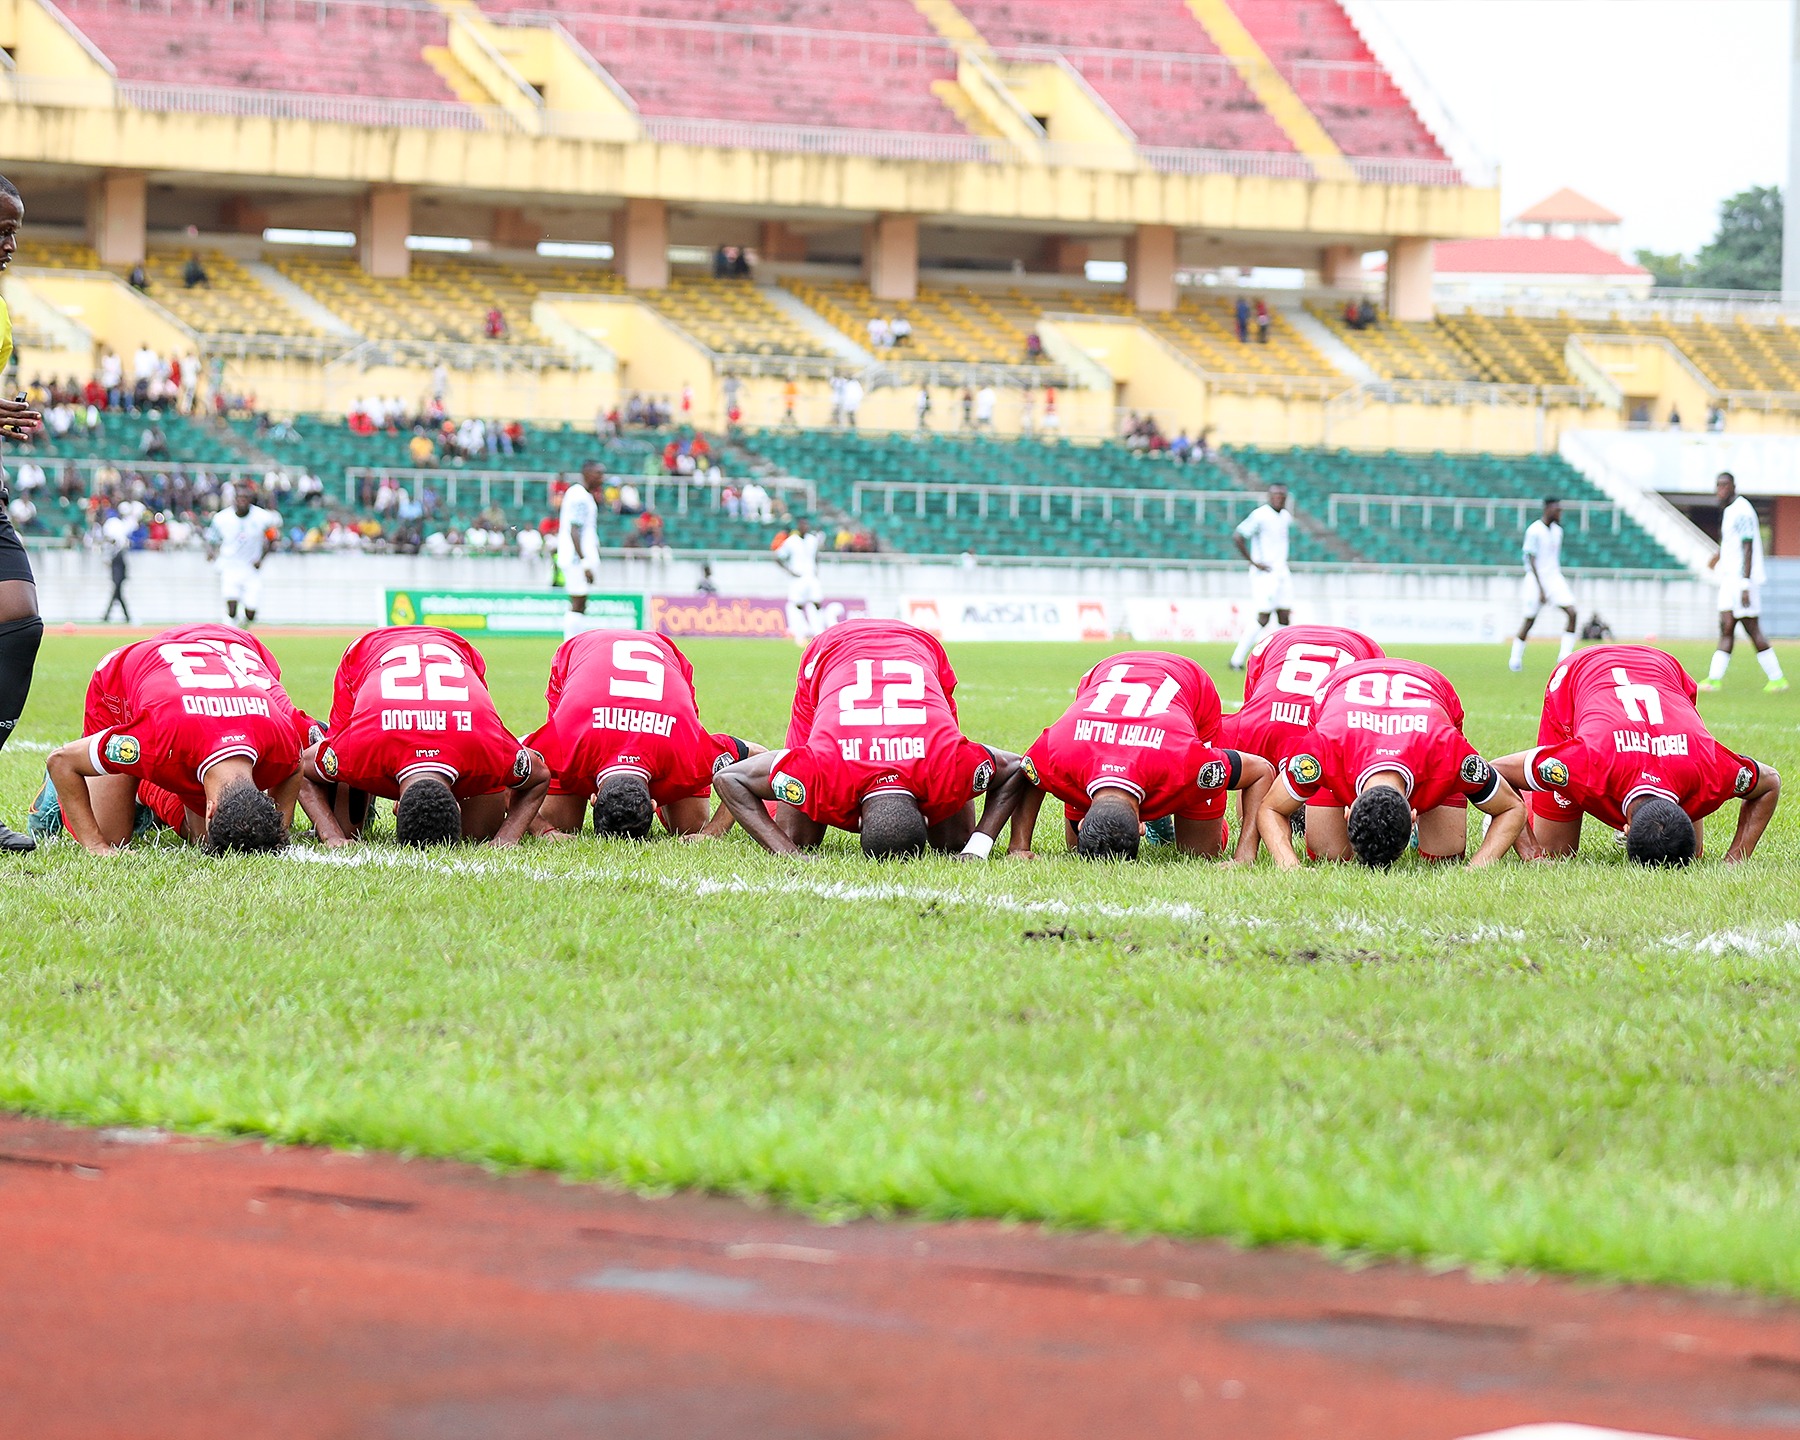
[
  {"x": 687, "y": 403},
  {"x": 1263, "y": 319},
  {"x": 790, "y": 397},
  {"x": 740, "y": 265},
  {"x": 648, "y": 533},
  {"x": 968, "y": 408},
  {"x": 707, "y": 585},
  {"x": 922, "y": 409},
  {"x": 837, "y": 400},
  {"x": 1034, "y": 348},
  {"x": 59, "y": 420},
  {"x": 634, "y": 410},
  {"x": 22, "y": 513},
  {"x": 755, "y": 503},
  {"x": 853, "y": 399},
  {"x": 1352, "y": 315},
  {"x": 901, "y": 329},
  {"x": 721, "y": 263},
  {"x": 144, "y": 364},
  {"x": 194, "y": 273},
  {"x": 731, "y": 502},
  {"x": 112, "y": 378},
  {"x": 1203, "y": 447},
  {"x": 984, "y": 408},
  {"x": 731, "y": 391},
  {"x": 1715, "y": 418},
  {"x": 1052, "y": 420},
  {"x": 139, "y": 279},
  {"x": 1367, "y": 316},
  {"x": 152, "y": 443},
  {"x": 880, "y": 337},
  {"x": 630, "y": 502},
  {"x": 1674, "y": 417},
  {"x": 1241, "y": 312},
  {"x": 494, "y": 324},
  {"x": 1181, "y": 448}
]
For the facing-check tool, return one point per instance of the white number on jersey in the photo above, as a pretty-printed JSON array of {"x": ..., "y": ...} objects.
[
  {"x": 1388, "y": 692},
  {"x": 191, "y": 662},
  {"x": 1641, "y": 703},
  {"x": 638, "y": 657},
  {"x": 441, "y": 666},
  {"x": 1135, "y": 693},
  {"x": 1306, "y": 667},
  {"x": 902, "y": 681}
]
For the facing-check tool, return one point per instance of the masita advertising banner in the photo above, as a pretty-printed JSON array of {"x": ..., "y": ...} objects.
[
  {"x": 742, "y": 617},
  {"x": 509, "y": 612},
  {"x": 1010, "y": 617},
  {"x": 1192, "y": 621}
]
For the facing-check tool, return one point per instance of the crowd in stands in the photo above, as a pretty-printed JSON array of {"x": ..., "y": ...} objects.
[
  {"x": 886, "y": 334},
  {"x": 1361, "y": 314},
  {"x": 436, "y": 437},
  {"x": 193, "y": 275},
  {"x": 1141, "y": 434},
  {"x": 1252, "y": 315}
]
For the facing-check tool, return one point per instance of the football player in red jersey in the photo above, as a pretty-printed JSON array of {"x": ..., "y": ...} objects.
[
  {"x": 1283, "y": 675},
  {"x": 874, "y": 746},
  {"x": 624, "y": 732},
  {"x": 1620, "y": 739},
  {"x": 411, "y": 719},
  {"x": 1139, "y": 744},
  {"x": 1386, "y": 751},
  {"x": 192, "y": 726}
]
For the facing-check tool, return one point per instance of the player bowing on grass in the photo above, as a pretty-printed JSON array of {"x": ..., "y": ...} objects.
[
  {"x": 874, "y": 746},
  {"x": 624, "y": 733},
  {"x": 190, "y": 729},
  {"x": 1281, "y": 681},
  {"x": 411, "y": 719},
  {"x": 1620, "y": 739},
  {"x": 1387, "y": 752},
  {"x": 1139, "y": 744}
]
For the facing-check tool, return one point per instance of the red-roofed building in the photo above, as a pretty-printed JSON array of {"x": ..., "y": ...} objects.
[
  {"x": 1527, "y": 267},
  {"x": 1567, "y": 215}
]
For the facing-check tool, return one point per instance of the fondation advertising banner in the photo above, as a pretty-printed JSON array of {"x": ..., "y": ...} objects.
[{"x": 741, "y": 617}]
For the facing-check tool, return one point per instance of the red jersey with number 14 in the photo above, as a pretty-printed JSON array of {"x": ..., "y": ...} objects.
[
  {"x": 623, "y": 700},
  {"x": 1282, "y": 677},
  {"x": 873, "y": 714},
  {"x": 413, "y": 699}
]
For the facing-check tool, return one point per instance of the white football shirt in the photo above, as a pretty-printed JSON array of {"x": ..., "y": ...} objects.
[
  {"x": 1544, "y": 543},
  {"x": 1738, "y": 524},
  {"x": 1265, "y": 531},
  {"x": 578, "y": 513},
  {"x": 801, "y": 552},
  {"x": 240, "y": 537}
]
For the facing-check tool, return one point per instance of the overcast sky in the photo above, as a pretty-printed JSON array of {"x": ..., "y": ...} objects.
[{"x": 1658, "y": 109}]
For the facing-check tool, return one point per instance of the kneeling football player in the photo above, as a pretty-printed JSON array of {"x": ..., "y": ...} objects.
[
  {"x": 1138, "y": 744},
  {"x": 624, "y": 733},
  {"x": 191, "y": 730},
  {"x": 1386, "y": 753},
  {"x": 874, "y": 746},
  {"x": 1282, "y": 678},
  {"x": 1620, "y": 739},
  {"x": 412, "y": 720}
]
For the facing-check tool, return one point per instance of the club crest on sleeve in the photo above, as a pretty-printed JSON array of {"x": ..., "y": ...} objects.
[
  {"x": 984, "y": 776},
  {"x": 1030, "y": 768},
  {"x": 522, "y": 766},
  {"x": 1475, "y": 770},
  {"x": 1213, "y": 775},
  {"x": 123, "y": 750},
  {"x": 1553, "y": 773},
  {"x": 788, "y": 790},
  {"x": 1306, "y": 770},
  {"x": 328, "y": 763},
  {"x": 314, "y": 733},
  {"x": 1745, "y": 782},
  {"x": 720, "y": 761}
]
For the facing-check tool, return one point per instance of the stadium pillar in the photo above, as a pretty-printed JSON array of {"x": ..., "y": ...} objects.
[
  {"x": 115, "y": 217},
  {"x": 514, "y": 230},
  {"x": 641, "y": 244},
  {"x": 1341, "y": 268},
  {"x": 243, "y": 216},
  {"x": 780, "y": 241},
  {"x": 1065, "y": 256},
  {"x": 891, "y": 257},
  {"x": 1409, "y": 279},
  {"x": 381, "y": 232},
  {"x": 1150, "y": 267}
]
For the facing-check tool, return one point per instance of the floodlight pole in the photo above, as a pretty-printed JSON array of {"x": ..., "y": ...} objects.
[{"x": 1790, "y": 218}]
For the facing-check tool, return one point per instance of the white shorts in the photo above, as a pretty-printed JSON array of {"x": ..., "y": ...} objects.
[
  {"x": 1731, "y": 597},
  {"x": 806, "y": 592},
  {"x": 241, "y": 583},
  {"x": 575, "y": 576},
  {"x": 1271, "y": 590},
  {"x": 1556, "y": 592}
]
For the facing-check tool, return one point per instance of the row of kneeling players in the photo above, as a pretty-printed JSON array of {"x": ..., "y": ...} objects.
[{"x": 192, "y": 730}]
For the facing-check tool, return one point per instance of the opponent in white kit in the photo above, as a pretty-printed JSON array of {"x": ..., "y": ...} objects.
[
  {"x": 1262, "y": 539},
  {"x": 798, "y": 554},
  {"x": 578, "y": 545},
  {"x": 1739, "y": 565},
  {"x": 238, "y": 540},
  {"x": 1544, "y": 583}
]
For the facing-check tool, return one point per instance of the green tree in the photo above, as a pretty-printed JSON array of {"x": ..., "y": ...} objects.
[
  {"x": 1667, "y": 271},
  {"x": 1746, "y": 253}
]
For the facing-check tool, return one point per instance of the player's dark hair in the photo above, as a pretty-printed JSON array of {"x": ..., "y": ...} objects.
[
  {"x": 427, "y": 814},
  {"x": 1550, "y": 500},
  {"x": 893, "y": 827},
  {"x": 1380, "y": 825},
  {"x": 8, "y": 188},
  {"x": 622, "y": 806},
  {"x": 1109, "y": 831},
  {"x": 244, "y": 819},
  {"x": 1659, "y": 833}
]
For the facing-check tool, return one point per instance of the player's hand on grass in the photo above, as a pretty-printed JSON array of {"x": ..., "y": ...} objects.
[{"x": 696, "y": 837}]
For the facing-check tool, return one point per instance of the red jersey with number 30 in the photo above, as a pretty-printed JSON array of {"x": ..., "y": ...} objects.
[
  {"x": 1282, "y": 677},
  {"x": 1388, "y": 715},
  {"x": 623, "y": 700},
  {"x": 1619, "y": 721},
  {"x": 413, "y": 699},
  {"x": 168, "y": 708},
  {"x": 1143, "y": 722},
  {"x": 874, "y": 713}
]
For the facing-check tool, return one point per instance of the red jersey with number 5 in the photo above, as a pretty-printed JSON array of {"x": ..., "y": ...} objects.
[
  {"x": 168, "y": 708},
  {"x": 623, "y": 700},
  {"x": 1144, "y": 722},
  {"x": 1388, "y": 715},
  {"x": 1620, "y": 721},
  {"x": 413, "y": 699},
  {"x": 1283, "y": 676},
  {"x": 873, "y": 713}
]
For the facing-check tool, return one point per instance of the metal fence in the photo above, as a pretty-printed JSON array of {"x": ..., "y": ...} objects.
[
  {"x": 1021, "y": 501},
  {"x": 1458, "y": 506},
  {"x": 462, "y": 489}
]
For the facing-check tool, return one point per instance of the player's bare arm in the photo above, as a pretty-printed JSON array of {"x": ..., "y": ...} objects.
[
  {"x": 722, "y": 819},
  {"x": 1538, "y": 838},
  {"x": 286, "y": 795},
  {"x": 1506, "y": 811},
  {"x": 318, "y": 797},
  {"x": 744, "y": 788},
  {"x": 523, "y": 803},
  {"x": 1244, "y": 550},
  {"x": 1256, "y": 778},
  {"x": 1025, "y": 818},
  {"x": 1754, "y": 815},
  {"x": 1005, "y": 788},
  {"x": 70, "y": 767},
  {"x": 1274, "y": 822}
]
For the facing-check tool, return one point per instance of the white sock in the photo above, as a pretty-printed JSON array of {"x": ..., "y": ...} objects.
[
  {"x": 1721, "y": 662},
  {"x": 1517, "y": 661},
  {"x": 573, "y": 624},
  {"x": 1246, "y": 645},
  {"x": 796, "y": 622},
  {"x": 1771, "y": 666},
  {"x": 1567, "y": 648}
]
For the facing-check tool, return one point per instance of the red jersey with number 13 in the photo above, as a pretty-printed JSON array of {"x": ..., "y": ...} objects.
[{"x": 1283, "y": 676}]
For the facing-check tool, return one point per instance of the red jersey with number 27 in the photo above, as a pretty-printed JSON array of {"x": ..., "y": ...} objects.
[
  {"x": 413, "y": 699},
  {"x": 623, "y": 700},
  {"x": 874, "y": 713},
  {"x": 1282, "y": 677}
]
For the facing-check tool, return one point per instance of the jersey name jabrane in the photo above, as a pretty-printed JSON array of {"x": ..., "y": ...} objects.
[
  {"x": 1394, "y": 715},
  {"x": 1143, "y": 722},
  {"x": 874, "y": 713},
  {"x": 623, "y": 701},
  {"x": 413, "y": 699},
  {"x": 1281, "y": 679},
  {"x": 1620, "y": 721}
]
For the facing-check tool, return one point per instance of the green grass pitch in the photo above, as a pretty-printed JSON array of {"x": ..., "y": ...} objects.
[{"x": 1578, "y": 1067}]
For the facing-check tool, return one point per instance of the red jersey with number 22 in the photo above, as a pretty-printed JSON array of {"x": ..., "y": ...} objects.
[
  {"x": 874, "y": 713},
  {"x": 1283, "y": 676},
  {"x": 413, "y": 699}
]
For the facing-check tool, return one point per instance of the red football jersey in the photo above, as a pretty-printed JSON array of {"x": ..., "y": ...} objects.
[
  {"x": 624, "y": 700},
  {"x": 1388, "y": 715},
  {"x": 873, "y": 712},
  {"x": 1283, "y": 675},
  {"x": 413, "y": 698},
  {"x": 166, "y": 709},
  {"x": 1142, "y": 721},
  {"x": 1619, "y": 721}
]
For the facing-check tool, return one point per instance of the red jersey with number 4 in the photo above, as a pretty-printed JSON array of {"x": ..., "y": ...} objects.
[
  {"x": 1385, "y": 714},
  {"x": 168, "y": 708},
  {"x": 413, "y": 699},
  {"x": 623, "y": 700},
  {"x": 1283, "y": 676},
  {"x": 1143, "y": 722},
  {"x": 874, "y": 713},
  {"x": 1620, "y": 721}
]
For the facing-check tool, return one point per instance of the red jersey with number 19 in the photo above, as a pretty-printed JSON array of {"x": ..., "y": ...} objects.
[
  {"x": 1282, "y": 677},
  {"x": 873, "y": 713},
  {"x": 413, "y": 699},
  {"x": 623, "y": 700}
]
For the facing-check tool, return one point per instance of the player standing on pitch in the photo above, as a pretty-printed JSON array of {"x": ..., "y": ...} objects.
[
  {"x": 798, "y": 554},
  {"x": 1740, "y": 566},
  {"x": 578, "y": 544},
  {"x": 1544, "y": 583},
  {"x": 624, "y": 732},
  {"x": 1262, "y": 539},
  {"x": 238, "y": 539},
  {"x": 874, "y": 746},
  {"x": 1620, "y": 739}
]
